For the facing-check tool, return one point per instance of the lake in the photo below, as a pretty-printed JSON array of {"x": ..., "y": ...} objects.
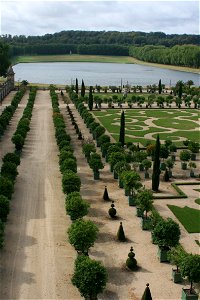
[{"x": 103, "y": 74}]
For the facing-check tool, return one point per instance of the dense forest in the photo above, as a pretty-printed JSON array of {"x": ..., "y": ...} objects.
[
  {"x": 176, "y": 49},
  {"x": 186, "y": 55}
]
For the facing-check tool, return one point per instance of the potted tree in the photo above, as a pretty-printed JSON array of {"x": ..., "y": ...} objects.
[
  {"x": 87, "y": 149},
  {"x": 192, "y": 166},
  {"x": 96, "y": 164},
  {"x": 170, "y": 165},
  {"x": 119, "y": 167},
  {"x": 175, "y": 255},
  {"x": 132, "y": 184},
  {"x": 166, "y": 234},
  {"x": 147, "y": 165},
  {"x": 145, "y": 204},
  {"x": 90, "y": 277},
  {"x": 184, "y": 157},
  {"x": 190, "y": 268},
  {"x": 164, "y": 153},
  {"x": 75, "y": 206},
  {"x": 194, "y": 148},
  {"x": 114, "y": 157}
]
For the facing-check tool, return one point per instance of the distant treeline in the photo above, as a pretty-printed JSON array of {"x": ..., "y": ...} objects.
[
  {"x": 187, "y": 55},
  {"x": 158, "y": 47},
  {"x": 78, "y": 37},
  {"x": 49, "y": 49}
]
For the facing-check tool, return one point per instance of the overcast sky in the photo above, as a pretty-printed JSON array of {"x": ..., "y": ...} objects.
[{"x": 41, "y": 17}]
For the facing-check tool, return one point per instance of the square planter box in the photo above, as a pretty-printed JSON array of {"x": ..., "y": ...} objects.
[
  {"x": 187, "y": 296},
  {"x": 115, "y": 175},
  {"x": 162, "y": 254},
  {"x": 121, "y": 184},
  {"x": 139, "y": 212},
  {"x": 146, "y": 224},
  {"x": 131, "y": 200},
  {"x": 176, "y": 276},
  {"x": 96, "y": 175}
]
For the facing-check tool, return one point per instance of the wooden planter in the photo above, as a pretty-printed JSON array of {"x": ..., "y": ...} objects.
[
  {"x": 163, "y": 166},
  {"x": 146, "y": 175},
  {"x": 131, "y": 200},
  {"x": 146, "y": 224},
  {"x": 96, "y": 175},
  {"x": 141, "y": 167},
  {"x": 192, "y": 174},
  {"x": 139, "y": 212},
  {"x": 115, "y": 175},
  {"x": 162, "y": 254},
  {"x": 176, "y": 276},
  {"x": 184, "y": 166},
  {"x": 187, "y": 296},
  {"x": 193, "y": 156},
  {"x": 121, "y": 185},
  {"x": 126, "y": 192}
]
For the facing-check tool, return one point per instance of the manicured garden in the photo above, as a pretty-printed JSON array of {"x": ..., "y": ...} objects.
[
  {"x": 144, "y": 124},
  {"x": 189, "y": 217}
]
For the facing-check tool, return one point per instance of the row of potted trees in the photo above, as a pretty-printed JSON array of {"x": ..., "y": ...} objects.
[
  {"x": 9, "y": 171},
  {"x": 9, "y": 110}
]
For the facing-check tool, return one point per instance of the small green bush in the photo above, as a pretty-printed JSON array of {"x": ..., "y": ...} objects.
[{"x": 4, "y": 208}]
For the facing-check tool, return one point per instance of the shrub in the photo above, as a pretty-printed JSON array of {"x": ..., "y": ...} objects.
[
  {"x": 76, "y": 207},
  {"x": 70, "y": 182},
  {"x": 68, "y": 164},
  {"x": 112, "y": 211},
  {"x": 2, "y": 226},
  {"x": 11, "y": 157},
  {"x": 131, "y": 262},
  {"x": 120, "y": 234},
  {"x": 89, "y": 277},
  {"x": 4, "y": 208},
  {"x": 82, "y": 235},
  {"x": 9, "y": 170},
  {"x": 18, "y": 140},
  {"x": 6, "y": 187}
]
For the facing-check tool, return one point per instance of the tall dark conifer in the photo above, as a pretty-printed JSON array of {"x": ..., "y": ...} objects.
[
  {"x": 160, "y": 87},
  {"x": 82, "y": 89},
  {"x": 90, "y": 101},
  {"x": 156, "y": 166},
  {"x": 122, "y": 129},
  {"x": 76, "y": 85}
]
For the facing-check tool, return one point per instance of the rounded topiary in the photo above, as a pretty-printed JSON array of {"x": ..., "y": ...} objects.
[
  {"x": 120, "y": 234},
  {"x": 131, "y": 262},
  {"x": 112, "y": 211},
  {"x": 105, "y": 194}
]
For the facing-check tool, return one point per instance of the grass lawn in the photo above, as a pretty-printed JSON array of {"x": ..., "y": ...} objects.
[
  {"x": 189, "y": 217},
  {"x": 74, "y": 58},
  {"x": 144, "y": 124},
  {"x": 197, "y": 201}
]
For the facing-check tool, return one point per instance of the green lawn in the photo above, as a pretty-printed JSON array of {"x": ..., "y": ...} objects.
[
  {"x": 139, "y": 129},
  {"x": 74, "y": 58},
  {"x": 197, "y": 201},
  {"x": 189, "y": 217}
]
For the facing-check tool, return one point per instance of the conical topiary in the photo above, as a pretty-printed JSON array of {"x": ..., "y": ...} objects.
[
  {"x": 112, "y": 211},
  {"x": 131, "y": 262},
  {"x": 120, "y": 234},
  {"x": 147, "y": 293},
  {"x": 105, "y": 194}
]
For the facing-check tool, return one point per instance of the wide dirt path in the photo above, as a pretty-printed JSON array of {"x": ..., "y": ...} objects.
[{"x": 37, "y": 262}]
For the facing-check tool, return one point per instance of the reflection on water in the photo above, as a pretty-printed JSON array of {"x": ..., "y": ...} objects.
[{"x": 103, "y": 74}]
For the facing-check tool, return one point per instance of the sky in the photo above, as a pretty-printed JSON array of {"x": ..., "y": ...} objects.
[{"x": 41, "y": 17}]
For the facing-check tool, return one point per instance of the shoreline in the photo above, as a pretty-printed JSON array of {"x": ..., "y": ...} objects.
[{"x": 99, "y": 59}]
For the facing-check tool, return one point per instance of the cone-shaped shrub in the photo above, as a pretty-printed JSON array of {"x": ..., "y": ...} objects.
[
  {"x": 105, "y": 194},
  {"x": 120, "y": 234},
  {"x": 112, "y": 211},
  {"x": 147, "y": 293},
  {"x": 131, "y": 262}
]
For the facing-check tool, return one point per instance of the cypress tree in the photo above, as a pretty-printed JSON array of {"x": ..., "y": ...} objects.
[
  {"x": 147, "y": 293},
  {"x": 180, "y": 89},
  {"x": 76, "y": 86},
  {"x": 122, "y": 129},
  {"x": 156, "y": 166},
  {"x": 160, "y": 87},
  {"x": 82, "y": 89},
  {"x": 90, "y": 101}
]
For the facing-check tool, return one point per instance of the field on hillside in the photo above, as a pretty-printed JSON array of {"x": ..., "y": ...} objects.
[{"x": 145, "y": 124}]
